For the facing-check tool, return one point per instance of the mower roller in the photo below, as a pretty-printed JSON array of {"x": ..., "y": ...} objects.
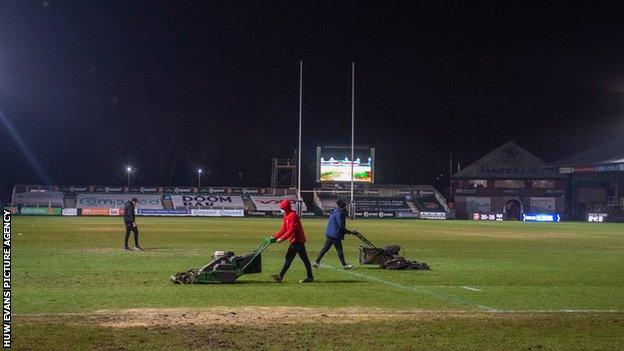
[
  {"x": 225, "y": 267},
  {"x": 386, "y": 257}
]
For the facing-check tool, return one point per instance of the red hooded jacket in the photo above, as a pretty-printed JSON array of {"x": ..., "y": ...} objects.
[{"x": 291, "y": 228}]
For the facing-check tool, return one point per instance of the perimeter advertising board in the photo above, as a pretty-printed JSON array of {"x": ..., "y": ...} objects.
[
  {"x": 162, "y": 212},
  {"x": 432, "y": 215},
  {"x": 116, "y": 201},
  {"x": 217, "y": 213},
  {"x": 208, "y": 201},
  {"x": 41, "y": 211}
]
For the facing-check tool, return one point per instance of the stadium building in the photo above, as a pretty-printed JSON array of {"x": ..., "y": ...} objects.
[
  {"x": 384, "y": 201},
  {"x": 506, "y": 183},
  {"x": 595, "y": 182}
]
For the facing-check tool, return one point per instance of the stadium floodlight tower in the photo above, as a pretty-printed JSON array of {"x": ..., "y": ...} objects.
[
  {"x": 129, "y": 171},
  {"x": 199, "y": 173}
]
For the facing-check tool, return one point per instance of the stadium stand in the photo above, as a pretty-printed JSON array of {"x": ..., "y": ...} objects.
[
  {"x": 69, "y": 201},
  {"x": 367, "y": 206},
  {"x": 249, "y": 205},
  {"x": 399, "y": 201},
  {"x": 270, "y": 203},
  {"x": 427, "y": 202},
  {"x": 38, "y": 198},
  {"x": 385, "y": 201}
]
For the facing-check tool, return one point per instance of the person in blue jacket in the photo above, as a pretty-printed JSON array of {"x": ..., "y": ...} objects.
[{"x": 336, "y": 230}]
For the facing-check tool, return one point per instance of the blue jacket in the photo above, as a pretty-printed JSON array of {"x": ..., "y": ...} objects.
[{"x": 336, "y": 224}]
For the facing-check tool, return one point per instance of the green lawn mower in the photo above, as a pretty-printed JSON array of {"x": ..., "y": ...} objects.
[{"x": 225, "y": 267}]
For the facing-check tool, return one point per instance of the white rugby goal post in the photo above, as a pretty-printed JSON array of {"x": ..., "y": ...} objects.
[{"x": 350, "y": 191}]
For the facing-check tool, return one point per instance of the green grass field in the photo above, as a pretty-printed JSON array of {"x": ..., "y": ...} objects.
[{"x": 498, "y": 286}]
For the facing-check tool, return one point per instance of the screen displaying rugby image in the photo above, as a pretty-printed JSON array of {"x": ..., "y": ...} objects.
[{"x": 334, "y": 164}]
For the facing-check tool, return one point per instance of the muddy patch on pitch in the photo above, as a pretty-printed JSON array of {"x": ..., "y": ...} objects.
[
  {"x": 100, "y": 250},
  {"x": 261, "y": 315},
  {"x": 97, "y": 228},
  {"x": 107, "y": 250},
  {"x": 268, "y": 316}
]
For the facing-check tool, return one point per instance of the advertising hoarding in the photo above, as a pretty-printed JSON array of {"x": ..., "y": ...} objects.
[
  {"x": 381, "y": 204},
  {"x": 208, "y": 201},
  {"x": 70, "y": 212},
  {"x": 487, "y": 216},
  {"x": 432, "y": 215},
  {"x": 102, "y": 211},
  {"x": 375, "y": 214},
  {"x": 217, "y": 213},
  {"x": 597, "y": 217},
  {"x": 540, "y": 217},
  {"x": 162, "y": 212},
  {"x": 41, "y": 211},
  {"x": 116, "y": 201}
]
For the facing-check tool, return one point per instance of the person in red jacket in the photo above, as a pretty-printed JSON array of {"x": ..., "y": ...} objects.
[{"x": 293, "y": 232}]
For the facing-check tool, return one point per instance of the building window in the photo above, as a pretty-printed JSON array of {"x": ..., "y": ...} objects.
[
  {"x": 477, "y": 183},
  {"x": 509, "y": 183},
  {"x": 545, "y": 184}
]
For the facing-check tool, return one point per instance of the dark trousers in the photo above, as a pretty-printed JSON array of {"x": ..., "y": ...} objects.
[
  {"x": 293, "y": 250},
  {"x": 328, "y": 244},
  {"x": 135, "y": 230}
]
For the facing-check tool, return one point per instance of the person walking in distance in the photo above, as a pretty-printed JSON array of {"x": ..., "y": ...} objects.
[
  {"x": 129, "y": 221},
  {"x": 293, "y": 232}
]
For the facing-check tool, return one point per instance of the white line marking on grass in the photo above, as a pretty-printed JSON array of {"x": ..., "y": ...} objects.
[
  {"x": 470, "y": 288},
  {"x": 417, "y": 289}
]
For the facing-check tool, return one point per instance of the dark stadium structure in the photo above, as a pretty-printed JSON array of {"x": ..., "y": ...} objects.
[
  {"x": 506, "y": 183},
  {"x": 595, "y": 182}
]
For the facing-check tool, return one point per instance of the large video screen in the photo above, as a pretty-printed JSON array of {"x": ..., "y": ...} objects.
[{"x": 334, "y": 164}]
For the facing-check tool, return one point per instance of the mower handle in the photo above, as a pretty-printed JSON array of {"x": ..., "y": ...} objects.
[
  {"x": 363, "y": 238},
  {"x": 266, "y": 242}
]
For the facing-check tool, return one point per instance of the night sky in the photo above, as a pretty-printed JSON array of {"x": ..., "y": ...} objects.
[{"x": 171, "y": 86}]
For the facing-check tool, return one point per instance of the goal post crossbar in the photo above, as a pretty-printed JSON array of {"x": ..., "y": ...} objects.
[{"x": 326, "y": 191}]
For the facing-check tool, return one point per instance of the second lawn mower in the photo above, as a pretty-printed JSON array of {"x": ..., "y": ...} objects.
[{"x": 386, "y": 257}]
